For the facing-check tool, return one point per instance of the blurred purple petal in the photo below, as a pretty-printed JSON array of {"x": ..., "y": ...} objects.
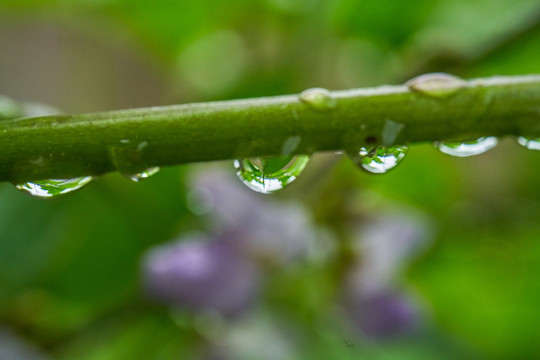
[
  {"x": 273, "y": 230},
  {"x": 231, "y": 203},
  {"x": 384, "y": 315},
  {"x": 12, "y": 347},
  {"x": 202, "y": 275},
  {"x": 386, "y": 245}
]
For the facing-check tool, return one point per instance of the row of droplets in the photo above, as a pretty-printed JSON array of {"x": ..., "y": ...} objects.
[
  {"x": 256, "y": 173},
  {"x": 269, "y": 174},
  {"x": 261, "y": 174}
]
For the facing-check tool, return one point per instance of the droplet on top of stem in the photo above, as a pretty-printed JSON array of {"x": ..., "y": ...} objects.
[
  {"x": 53, "y": 187},
  {"x": 379, "y": 159},
  {"x": 436, "y": 84},
  {"x": 467, "y": 148},
  {"x": 318, "y": 99},
  {"x": 269, "y": 174}
]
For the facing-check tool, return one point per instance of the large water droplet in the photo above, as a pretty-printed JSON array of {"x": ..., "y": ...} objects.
[
  {"x": 53, "y": 187},
  {"x": 467, "y": 148},
  {"x": 436, "y": 84},
  {"x": 266, "y": 175},
  {"x": 379, "y": 159},
  {"x": 143, "y": 174},
  {"x": 318, "y": 99},
  {"x": 529, "y": 143}
]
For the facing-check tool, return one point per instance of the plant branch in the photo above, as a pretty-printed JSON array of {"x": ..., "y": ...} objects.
[{"x": 65, "y": 146}]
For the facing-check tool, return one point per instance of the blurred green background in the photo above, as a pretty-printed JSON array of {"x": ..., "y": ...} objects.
[{"x": 71, "y": 269}]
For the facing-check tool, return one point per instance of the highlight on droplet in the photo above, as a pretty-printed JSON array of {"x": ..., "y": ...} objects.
[
  {"x": 53, "y": 187},
  {"x": 379, "y": 159},
  {"x": 467, "y": 148},
  {"x": 143, "y": 174},
  {"x": 529, "y": 143}
]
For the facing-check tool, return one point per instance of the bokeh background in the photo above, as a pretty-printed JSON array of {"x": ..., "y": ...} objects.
[{"x": 438, "y": 259}]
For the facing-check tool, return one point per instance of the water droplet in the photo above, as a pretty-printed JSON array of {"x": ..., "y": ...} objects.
[
  {"x": 266, "y": 175},
  {"x": 143, "y": 174},
  {"x": 53, "y": 187},
  {"x": 529, "y": 143},
  {"x": 128, "y": 159},
  {"x": 318, "y": 99},
  {"x": 379, "y": 159},
  {"x": 467, "y": 148},
  {"x": 436, "y": 84}
]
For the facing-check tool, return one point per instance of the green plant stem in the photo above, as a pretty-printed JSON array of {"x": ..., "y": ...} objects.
[{"x": 66, "y": 146}]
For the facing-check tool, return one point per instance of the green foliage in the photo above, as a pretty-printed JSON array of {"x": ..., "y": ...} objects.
[{"x": 70, "y": 268}]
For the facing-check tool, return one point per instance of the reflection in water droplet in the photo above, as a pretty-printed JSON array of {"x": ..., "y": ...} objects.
[
  {"x": 529, "y": 143},
  {"x": 467, "y": 148},
  {"x": 318, "y": 99},
  {"x": 379, "y": 159},
  {"x": 266, "y": 175},
  {"x": 143, "y": 174},
  {"x": 436, "y": 84},
  {"x": 53, "y": 187}
]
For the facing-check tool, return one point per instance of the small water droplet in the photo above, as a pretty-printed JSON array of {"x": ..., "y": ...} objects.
[
  {"x": 124, "y": 141},
  {"x": 467, "y": 148},
  {"x": 436, "y": 84},
  {"x": 318, "y": 99},
  {"x": 266, "y": 175},
  {"x": 143, "y": 174},
  {"x": 53, "y": 187},
  {"x": 379, "y": 159},
  {"x": 529, "y": 143}
]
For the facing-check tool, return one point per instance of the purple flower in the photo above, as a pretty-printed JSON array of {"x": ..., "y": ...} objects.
[
  {"x": 384, "y": 315},
  {"x": 13, "y": 347},
  {"x": 200, "y": 273},
  {"x": 385, "y": 245},
  {"x": 276, "y": 231}
]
